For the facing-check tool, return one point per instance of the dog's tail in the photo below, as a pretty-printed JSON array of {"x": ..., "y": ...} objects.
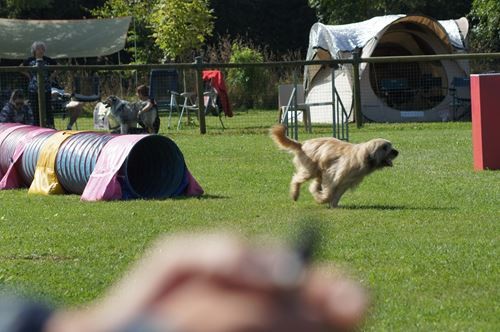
[{"x": 278, "y": 135}]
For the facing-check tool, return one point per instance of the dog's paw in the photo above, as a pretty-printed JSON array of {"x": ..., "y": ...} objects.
[
  {"x": 333, "y": 205},
  {"x": 319, "y": 197},
  {"x": 315, "y": 188}
]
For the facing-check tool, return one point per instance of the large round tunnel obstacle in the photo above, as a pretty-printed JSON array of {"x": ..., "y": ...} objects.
[{"x": 148, "y": 166}]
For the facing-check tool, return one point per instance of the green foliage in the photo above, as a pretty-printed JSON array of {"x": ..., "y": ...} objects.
[
  {"x": 46, "y": 9},
  {"x": 246, "y": 84},
  {"x": 116, "y": 8},
  {"x": 139, "y": 43},
  {"x": 162, "y": 28},
  {"x": 181, "y": 26},
  {"x": 342, "y": 12},
  {"x": 485, "y": 16},
  {"x": 15, "y": 8},
  {"x": 285, "y": 27},
  {"x": 27, "y": 4}
]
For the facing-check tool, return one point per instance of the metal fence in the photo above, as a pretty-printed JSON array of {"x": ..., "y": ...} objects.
[{"x": 382, "y": 89}]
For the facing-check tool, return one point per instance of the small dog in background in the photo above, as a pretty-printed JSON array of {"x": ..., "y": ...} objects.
[
  {"x": 125, "y": 113},
  {"x": 332, "y": 164}
]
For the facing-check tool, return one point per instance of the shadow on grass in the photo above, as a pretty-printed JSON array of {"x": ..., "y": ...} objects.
[
  {"x": 35, "y": 257},
  {"x": 212, "y": 197},
  {"x": 396, "y": 207},
  {"x": 202, "y": 197}
]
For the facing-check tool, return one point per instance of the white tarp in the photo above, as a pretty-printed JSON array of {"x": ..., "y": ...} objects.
[{"x": 64, "y": 38}]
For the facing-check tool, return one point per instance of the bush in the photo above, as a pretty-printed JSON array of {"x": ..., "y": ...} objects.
[
  {"x": 246, "y": 84},
  {"x": 246, "y": 88}
]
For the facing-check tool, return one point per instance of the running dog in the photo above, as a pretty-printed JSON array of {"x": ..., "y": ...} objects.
[{"x": 334, "y": 165}]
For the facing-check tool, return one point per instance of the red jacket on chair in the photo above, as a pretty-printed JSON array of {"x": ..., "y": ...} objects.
[{"x": 219, "y": 85}]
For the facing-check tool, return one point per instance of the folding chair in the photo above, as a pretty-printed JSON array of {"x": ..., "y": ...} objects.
[
  {"x": 216, "y": 95},
  {"x": 211, "y": 100},
  {"x": 460, "y": 93},
  {"x": 396, "y": 91},
  {"x": 287, "y": 103},
  {"x": 189, "y": 104},
  {"x": 86, "y": 88},
  {"x": 163, "y": 88}
]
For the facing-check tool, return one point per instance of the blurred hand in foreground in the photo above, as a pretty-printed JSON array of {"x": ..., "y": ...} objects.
[{"x": 218, "y": 283}]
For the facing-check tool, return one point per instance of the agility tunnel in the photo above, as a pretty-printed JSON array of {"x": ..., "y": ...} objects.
[{"x": 96, "y": 165}]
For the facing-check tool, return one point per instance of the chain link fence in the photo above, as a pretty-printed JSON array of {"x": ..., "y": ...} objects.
[
  {"x": 421, "y": 88},
  {"x": 245, "y": 98}
]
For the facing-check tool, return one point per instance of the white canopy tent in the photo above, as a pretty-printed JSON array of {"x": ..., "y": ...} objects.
[
  {"x": 390, "y": 35},
  {"x": 64, "y": 38}
]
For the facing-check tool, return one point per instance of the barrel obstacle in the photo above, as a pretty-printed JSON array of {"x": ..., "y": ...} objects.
[{"x": 95, "y": 165}]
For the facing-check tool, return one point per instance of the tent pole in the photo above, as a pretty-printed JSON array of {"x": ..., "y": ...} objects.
[
  {"x": 294, "y": 110},
  {"x": 334, "y": 110},
  {"x": 135, "y": 49},
  {"x": 199, "y": 90},
  {"x": 120, "y": 73}
]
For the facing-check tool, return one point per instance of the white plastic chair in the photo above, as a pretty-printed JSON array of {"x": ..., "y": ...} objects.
[{"x": 286, "y": 104}]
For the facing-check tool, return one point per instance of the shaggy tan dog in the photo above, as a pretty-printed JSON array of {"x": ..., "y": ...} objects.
[{"x": 334, "y": 165}]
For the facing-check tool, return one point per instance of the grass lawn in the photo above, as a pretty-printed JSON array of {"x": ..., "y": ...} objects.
[{"x": 423, "y": 235}]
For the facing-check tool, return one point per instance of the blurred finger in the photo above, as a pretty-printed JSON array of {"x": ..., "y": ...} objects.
[{"x": 340, "y": 302}]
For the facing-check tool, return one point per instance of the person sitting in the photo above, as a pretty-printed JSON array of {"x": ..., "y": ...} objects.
[
  {"x": 63, "y": 101},
  {"x": 148, "y": 108},
  {"x": 16, "y": 110}
]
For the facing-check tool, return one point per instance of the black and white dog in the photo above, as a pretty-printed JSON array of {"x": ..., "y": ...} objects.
[{"x": 125, "y": 114}]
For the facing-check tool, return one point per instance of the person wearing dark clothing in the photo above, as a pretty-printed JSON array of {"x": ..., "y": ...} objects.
[
  {"x": 16, "y": 110},
  {"x": 38, "y": 56}
]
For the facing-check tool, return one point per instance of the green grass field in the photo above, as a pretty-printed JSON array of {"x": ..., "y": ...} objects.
[{"x": 423, "y": 235}]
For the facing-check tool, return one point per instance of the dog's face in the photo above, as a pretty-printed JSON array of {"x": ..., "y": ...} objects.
[
  {"x": 110, "y": 101},
  {"x": 380, "y": 153},
  {"x": 120, "y": 108}
]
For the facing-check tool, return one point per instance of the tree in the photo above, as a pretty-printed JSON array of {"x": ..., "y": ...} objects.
[
  {"x": 47, "y": 9},
  {"x": 15, "y": 8},
  {"x": 168, "y": 28},
  {"x": 285, "y": 27},
  {"x": 180, "y": 26},
  {"x": 485, "y": 17},
  {"x": 342, "y": 12},
  {"x": 140, "y": 45},
  {"x": 246, "y": 83}
]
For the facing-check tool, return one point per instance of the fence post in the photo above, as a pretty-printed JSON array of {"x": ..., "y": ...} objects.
[
  {"x": 42, "y": 111},
  {"x": 357, "y": 89},
  {"x": 334, "y": 105},
  {"x": 199, "y": 88},
  {"x": 294, "y": 116}
]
